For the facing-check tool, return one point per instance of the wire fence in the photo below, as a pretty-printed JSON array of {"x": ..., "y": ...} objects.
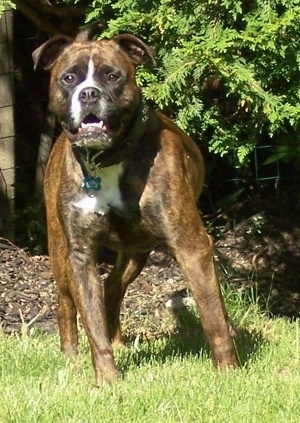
[{"x": 7, "y": 130}]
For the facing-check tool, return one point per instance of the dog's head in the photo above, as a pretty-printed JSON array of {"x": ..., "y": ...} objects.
[{"x": 92, "y": 87}]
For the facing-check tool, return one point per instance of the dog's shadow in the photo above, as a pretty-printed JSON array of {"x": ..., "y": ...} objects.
[{"x": 188, "y": 341}]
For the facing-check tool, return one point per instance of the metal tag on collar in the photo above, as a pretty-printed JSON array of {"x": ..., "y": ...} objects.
[{"x": 91, "y": 185}]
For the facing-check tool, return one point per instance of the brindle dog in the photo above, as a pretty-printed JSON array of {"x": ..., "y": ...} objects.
[{"x": 123, "y": 177}]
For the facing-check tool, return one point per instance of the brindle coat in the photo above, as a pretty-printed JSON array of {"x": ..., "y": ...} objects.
[{"x": 152, "y": 174}]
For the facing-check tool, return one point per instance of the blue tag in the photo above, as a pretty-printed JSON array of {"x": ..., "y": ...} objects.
[{"x": 91, "y": 184}]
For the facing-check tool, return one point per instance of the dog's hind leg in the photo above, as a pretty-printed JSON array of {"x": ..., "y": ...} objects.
[{"x": 126, "y": 269}]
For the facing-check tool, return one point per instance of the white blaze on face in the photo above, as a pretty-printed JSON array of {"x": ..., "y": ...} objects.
[
  {"x": 87, "y": 82},
  {"x": 109, "y": 194}
]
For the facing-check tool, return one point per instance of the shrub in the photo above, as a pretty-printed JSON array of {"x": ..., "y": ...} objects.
[{"x": 228, "y": 70}]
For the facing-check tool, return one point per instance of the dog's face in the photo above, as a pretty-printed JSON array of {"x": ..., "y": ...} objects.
[
  {"x": 92, "y": 88},
  {"x": 95, "y": 94}
]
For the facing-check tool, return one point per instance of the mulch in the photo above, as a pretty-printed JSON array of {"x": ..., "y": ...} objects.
[
  {"x": 28, "y": 293},
  {"x": 256, "y": 246}
]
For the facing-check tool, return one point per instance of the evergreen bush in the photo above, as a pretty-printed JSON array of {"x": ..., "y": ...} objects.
[{"x": 228, "y": 71}]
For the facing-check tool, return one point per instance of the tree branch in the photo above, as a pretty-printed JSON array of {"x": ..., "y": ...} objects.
[
  {"x": 38, "y": 21},
  {"x": 65, "y": 19},
  {"x": 61, "y": 11}
]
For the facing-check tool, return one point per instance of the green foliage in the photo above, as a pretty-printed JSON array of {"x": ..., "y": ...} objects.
[
  {"x": 228, "y": 70},
  {"x": 5, "y": 4},
  {"x": 30, "y": 225}
]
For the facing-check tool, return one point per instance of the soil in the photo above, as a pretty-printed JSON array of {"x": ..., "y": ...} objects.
[{"x": 256, "y": 247}]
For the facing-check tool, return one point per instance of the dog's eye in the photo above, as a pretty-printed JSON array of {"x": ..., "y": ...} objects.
[
  {"x": 112, "y": 77},
  {"x": 69, "y": 78}
]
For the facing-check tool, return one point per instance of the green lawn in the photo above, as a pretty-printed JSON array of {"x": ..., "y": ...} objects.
[{"x": 169, "y": 379}]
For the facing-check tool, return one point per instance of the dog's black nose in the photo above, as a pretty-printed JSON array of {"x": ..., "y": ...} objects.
[{"x": 89, "y": 95}]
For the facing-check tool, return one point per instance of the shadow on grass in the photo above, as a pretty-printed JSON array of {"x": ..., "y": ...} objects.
[{"x": 189, "y": 341}]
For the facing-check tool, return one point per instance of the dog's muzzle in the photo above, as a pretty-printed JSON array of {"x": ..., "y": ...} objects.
[{"x": 92, "y": 128}]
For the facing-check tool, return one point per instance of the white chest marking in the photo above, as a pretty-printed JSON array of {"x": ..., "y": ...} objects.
[
  {"x": 87, "y": 82},
  {"x": 109, "y": 194}
]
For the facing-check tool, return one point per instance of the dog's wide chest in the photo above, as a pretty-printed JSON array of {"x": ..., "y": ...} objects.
[{"x": 105, "y": 214}]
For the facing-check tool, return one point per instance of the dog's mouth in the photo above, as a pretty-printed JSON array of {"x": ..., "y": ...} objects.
[{"x": 93, "y": 131}]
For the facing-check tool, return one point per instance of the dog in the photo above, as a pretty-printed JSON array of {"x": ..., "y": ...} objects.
[{"x": 123, "y": 177}]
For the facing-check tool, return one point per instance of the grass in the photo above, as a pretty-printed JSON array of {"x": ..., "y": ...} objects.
[{"x": 169, "y": 379}]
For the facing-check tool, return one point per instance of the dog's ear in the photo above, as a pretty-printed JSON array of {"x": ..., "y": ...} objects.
[
  {"x": 138, "y": 51},
  {"x": 45, "y": 55}
]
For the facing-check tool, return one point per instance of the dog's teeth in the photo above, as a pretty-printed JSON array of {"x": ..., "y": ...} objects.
[{"x": 99, "y": 124}]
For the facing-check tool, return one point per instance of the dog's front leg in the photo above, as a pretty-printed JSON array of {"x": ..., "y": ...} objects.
[{"x": 86, "y": 290}]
